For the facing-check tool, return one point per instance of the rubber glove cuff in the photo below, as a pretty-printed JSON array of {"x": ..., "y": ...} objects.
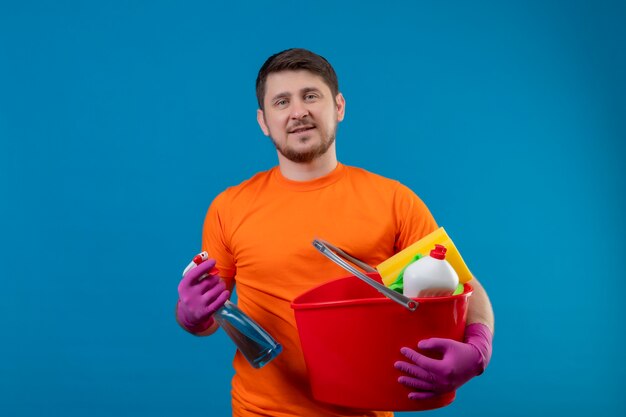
[{"x": 479, "y": 336}]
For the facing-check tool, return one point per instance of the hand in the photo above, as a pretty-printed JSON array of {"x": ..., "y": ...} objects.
[
  {"x": 200, "y": 295},
  {"x": 460, "y": 363}
]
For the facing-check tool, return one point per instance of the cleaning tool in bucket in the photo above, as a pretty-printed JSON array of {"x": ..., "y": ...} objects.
[
  {"x": 256, "y": 345},
  {"x": 430, "y": 276},
  {"x": 329, "y": 250},
  {"x": 391, "y": 268},
  {"x": 351, "y": 335}
]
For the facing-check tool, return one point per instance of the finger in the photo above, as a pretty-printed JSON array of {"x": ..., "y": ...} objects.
[
  {"x": 421, "y": 395},
  {"x": 415, "y": 383},
  {"x": 209, "y": 284},
  {"x": 194, "y": 274},
  {"x": 194, "y": 291},
  {"x": 413, "y": 370},
  {"x": 219, "y": 302},
  {"x": 436, "y": 344},
  {"x": 213, "y": 292},
  {"x": 420, "y": 360}
]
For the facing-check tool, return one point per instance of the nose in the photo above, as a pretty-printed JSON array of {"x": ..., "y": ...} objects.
[{"x": 298, "y": 110}]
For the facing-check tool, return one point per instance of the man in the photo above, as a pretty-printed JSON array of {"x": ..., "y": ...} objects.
[{"x": 259, "y": 234}]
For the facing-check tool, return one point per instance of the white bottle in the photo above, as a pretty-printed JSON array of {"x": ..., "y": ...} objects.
[{"x": 430, "y": 276}]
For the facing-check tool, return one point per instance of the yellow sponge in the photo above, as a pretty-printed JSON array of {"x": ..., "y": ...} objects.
[{"x": 391, "y": 268}]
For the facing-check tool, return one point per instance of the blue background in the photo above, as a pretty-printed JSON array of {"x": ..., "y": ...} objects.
[{"x": 120, "y": 121}]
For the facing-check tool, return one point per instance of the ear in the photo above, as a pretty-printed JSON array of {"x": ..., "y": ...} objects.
[
  {"x": 341, "y": 107},
  {"x": 260, "y": 118}
]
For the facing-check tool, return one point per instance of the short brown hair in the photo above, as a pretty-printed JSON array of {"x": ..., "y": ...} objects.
[{"x": 296, "y": 59}]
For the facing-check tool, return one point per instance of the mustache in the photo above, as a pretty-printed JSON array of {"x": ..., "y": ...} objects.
[{"x": 298, "y": 125}]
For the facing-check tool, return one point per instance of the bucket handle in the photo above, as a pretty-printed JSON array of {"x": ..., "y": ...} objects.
[{"x": 331, "y": 252}]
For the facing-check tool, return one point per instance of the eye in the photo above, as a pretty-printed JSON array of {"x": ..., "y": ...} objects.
[
  {"x": 310, "y": 97},
  {"x": 280, "y": 102}
]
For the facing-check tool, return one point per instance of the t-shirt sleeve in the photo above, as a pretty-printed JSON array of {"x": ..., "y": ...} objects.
[
  {"x": 215, "y": 239},
  {"x": 414, "y": 220}
]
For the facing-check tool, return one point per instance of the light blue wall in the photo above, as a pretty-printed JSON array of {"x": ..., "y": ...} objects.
[{"x": 120, "y": 121}]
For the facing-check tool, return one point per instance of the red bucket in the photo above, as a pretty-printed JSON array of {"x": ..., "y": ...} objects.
[{"x": 351, "y": 336}]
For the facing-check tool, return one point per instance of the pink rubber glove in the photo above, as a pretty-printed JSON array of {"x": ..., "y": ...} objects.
[
  {"x": 200, "y": 294},
  {"x": 460, "y": 363}
]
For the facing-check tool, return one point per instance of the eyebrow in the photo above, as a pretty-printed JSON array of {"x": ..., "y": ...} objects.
[{"x": 303, "y": 91}]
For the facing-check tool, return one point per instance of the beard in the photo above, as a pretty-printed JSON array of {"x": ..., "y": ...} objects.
[{"x": 327, "y": 139}]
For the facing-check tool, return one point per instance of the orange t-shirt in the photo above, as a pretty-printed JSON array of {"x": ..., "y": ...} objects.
[{"x": 260, "y": 233}]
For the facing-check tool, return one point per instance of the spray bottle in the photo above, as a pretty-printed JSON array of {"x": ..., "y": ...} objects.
[{"x": 256, "y": 345}]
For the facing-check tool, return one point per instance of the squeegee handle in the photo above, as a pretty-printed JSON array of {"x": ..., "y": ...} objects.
[{"x": 329, "y": 250}]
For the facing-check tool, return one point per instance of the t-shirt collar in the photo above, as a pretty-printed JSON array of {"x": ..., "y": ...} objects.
[{"x": 315, "y": 184}]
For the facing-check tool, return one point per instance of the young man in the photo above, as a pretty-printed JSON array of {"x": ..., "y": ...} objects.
[{"x": 259, "y": 235}]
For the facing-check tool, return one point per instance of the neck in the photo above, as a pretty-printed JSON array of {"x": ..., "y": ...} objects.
[{"x": 306, "y": 171}]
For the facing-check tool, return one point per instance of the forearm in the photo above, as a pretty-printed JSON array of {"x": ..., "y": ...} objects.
[{"x": 480, "y": 310}]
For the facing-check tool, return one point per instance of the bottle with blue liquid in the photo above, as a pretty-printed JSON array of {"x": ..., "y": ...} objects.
[{"x": 256, "y": 344}]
